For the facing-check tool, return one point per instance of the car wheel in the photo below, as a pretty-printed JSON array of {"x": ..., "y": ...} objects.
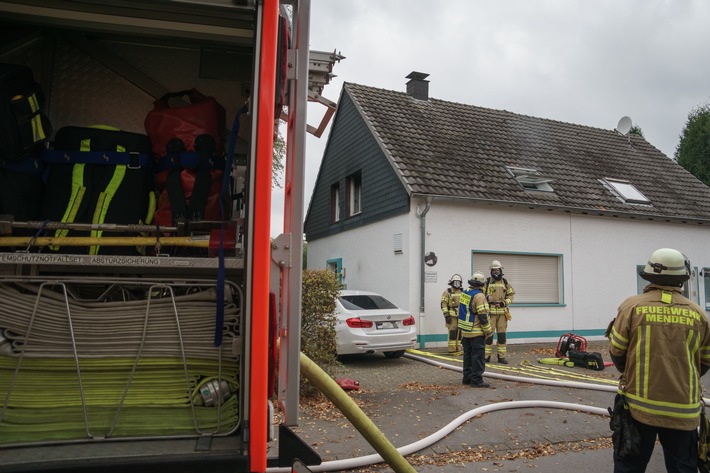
[{"x": 394, "y": 354}]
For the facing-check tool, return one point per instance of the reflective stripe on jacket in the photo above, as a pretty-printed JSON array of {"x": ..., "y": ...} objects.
[
  {"x": 473, "y": 314},
  {"x": 450, "y": 302},
  {"x": 664, "y": 338},
  {"x": 499, "y": 291}
]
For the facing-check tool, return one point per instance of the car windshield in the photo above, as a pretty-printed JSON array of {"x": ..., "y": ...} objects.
[{"x": 369, "y": 302}]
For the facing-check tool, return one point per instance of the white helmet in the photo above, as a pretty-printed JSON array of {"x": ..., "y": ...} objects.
[
  {"x": 666, "y": 267},
  {"x": 477, "y": 279},
  {"x": 456, "y": 281},
  {"x": 495, "y": 264}
]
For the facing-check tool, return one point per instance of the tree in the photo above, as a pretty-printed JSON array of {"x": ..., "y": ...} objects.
[
  {"x": 277, "y": 167},
  {"x": 636, "y": 130},
  {"x": 693, "y": 150}
]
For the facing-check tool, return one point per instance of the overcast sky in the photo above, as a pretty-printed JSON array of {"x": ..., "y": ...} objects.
[{"x": 585, "y": 62}]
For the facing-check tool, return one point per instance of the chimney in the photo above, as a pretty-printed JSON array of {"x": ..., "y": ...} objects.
[{"x": 417, "y": 87}]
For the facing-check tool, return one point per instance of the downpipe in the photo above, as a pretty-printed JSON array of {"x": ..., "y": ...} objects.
[{"x": 422, "y": 270}]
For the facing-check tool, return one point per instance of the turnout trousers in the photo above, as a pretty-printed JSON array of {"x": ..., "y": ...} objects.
[
  {"x": 474, "y": 363},
  {"x": 680, "y": 450}
]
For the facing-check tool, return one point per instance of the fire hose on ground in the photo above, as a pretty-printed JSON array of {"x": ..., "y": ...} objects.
[{"x": 394, "y": 457}]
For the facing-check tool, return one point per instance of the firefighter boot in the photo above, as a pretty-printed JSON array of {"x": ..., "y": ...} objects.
[
  {"x": 489, "y": 348},
  {"x": 502, "y": 349}
]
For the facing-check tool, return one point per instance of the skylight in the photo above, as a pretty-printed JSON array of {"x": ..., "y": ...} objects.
[
  {"x": 531, "y": 179},
  {"x": 626, "y": 191}
]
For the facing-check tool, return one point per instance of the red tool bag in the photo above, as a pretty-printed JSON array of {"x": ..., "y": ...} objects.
[{"x": 188, "y": 145}]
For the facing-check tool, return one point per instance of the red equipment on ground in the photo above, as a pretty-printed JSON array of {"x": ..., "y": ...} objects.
[{"x": 570, "y": 341}]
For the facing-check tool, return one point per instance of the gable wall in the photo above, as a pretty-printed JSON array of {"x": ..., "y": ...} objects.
[
  {"x": 369, "y": 259},
  {"x": 352, "y": 148}
]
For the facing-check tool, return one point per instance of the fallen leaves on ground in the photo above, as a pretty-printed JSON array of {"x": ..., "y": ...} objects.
[
  {"x": 420, "y": 387},
  {"x": 473, "y": 455}
]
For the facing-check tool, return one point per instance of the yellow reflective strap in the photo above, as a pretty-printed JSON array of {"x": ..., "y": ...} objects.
[
  {"x": 692, "y": 343},
  {"x": 38, "y": 133},
  {"x": 75, "y": 198},
  {"x": 105, "y": 199},
  {"x": 152, "y": 205}
]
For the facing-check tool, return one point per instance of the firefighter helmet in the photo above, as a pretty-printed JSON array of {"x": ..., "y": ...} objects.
[
  {"x": 456, "y": 281},
  {"x": 496, "y": 270},
  {"x": 477, "y": 279},
  {"x": 666, "y": 267}
]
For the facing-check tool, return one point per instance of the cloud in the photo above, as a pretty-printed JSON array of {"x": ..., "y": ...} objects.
[{"x": 580, "y": 62}]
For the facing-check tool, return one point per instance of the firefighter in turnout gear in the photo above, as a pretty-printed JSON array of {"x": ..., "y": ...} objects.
[
  {"x": 500, "y": 295},
  {"x": 450, "y": 309},
  {"x": 475, "y": 326},
  {"x": 660, "y": 342}
]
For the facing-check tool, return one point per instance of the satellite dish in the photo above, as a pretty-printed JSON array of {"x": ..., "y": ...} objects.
[{"x": 624, "y": 126}]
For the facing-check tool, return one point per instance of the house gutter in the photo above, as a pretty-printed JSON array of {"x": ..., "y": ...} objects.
[
  {"x": 575, "y": 210},
  {"x": 422, "y": 226}
]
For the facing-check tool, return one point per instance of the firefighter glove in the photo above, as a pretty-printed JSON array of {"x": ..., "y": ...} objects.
[{"x": 448, "y": 319}]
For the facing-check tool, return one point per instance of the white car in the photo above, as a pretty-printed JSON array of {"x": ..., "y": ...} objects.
[{"x": 369, "y": 323}]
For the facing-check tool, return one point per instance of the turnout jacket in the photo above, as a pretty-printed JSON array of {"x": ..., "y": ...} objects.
[
  {"x": 664, "y": 338},
  {"x": 499, "y": 291},
  {"x": 473, "y": 314},
  {"x": 450, "y": 302}
]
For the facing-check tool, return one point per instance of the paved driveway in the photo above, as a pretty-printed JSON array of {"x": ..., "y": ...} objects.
[{"x": 410, "y": 400}]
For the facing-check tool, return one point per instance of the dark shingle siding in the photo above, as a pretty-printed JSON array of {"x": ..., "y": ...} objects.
[
  {"x": 451, "y": 149},
  {"x": 352, "y": 148}
]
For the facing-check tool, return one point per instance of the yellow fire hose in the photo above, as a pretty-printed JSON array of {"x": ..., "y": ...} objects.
[
  {"x": 102, "y": 241},
  {"x": 352, "y": 411}
]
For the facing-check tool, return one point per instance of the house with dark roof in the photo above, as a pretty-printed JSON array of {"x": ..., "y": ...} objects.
[{"x": 413, "y": 189}]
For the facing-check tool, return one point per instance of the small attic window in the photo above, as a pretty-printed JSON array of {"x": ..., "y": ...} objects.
[
  {"x": 531, "y": 179},
  {"x": 625, "y": 191}
]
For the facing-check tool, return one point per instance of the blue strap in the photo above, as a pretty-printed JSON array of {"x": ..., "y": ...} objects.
[
  {"x": 133, "y": 160},
  {"x": 188, "y": 160},
  {"x": 27, "y": 166},
  {"x": 219, "y": 316}
]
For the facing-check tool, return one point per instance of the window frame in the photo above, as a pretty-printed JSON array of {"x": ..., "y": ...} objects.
[
  {"x": 530, "y": 179},
  {"x": 517, "y": 267},
  {"x": 625, "y": 191},
  {"x": 353, "y": 194},
  {"x": 335, "y": 203}
]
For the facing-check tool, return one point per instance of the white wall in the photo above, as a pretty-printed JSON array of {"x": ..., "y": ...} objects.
[
  {"x": 369, "y": 260},
  {"x": 600, "y": 255}
]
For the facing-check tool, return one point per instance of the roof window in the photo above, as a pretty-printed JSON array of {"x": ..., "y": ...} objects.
[
  {"x": 531, "y": 179},
  {"x": 625, "y": 191}
]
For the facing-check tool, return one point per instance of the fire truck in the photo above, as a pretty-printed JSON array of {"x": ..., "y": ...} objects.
[{"x": 140, "y": 346}]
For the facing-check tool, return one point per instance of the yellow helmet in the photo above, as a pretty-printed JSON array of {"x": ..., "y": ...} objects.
[{"x": 495, "y": 264}]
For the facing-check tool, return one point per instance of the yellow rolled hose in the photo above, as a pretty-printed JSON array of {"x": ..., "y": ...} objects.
[
  {"x": 352, "y": 411},
  {"x": 102, "y": 241}
]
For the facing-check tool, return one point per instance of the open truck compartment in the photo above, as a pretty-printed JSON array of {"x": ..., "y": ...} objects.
[{"x": 133, "y": 356}]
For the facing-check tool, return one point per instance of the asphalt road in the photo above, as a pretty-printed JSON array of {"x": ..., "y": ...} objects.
[{"x": 410, "y": 400}]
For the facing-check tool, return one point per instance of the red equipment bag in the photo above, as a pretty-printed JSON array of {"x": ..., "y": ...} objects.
[
  {"x": 570, "y": 341},
  {"x": 204, "y": 115},
  {"x": 188, "y": 145}
]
